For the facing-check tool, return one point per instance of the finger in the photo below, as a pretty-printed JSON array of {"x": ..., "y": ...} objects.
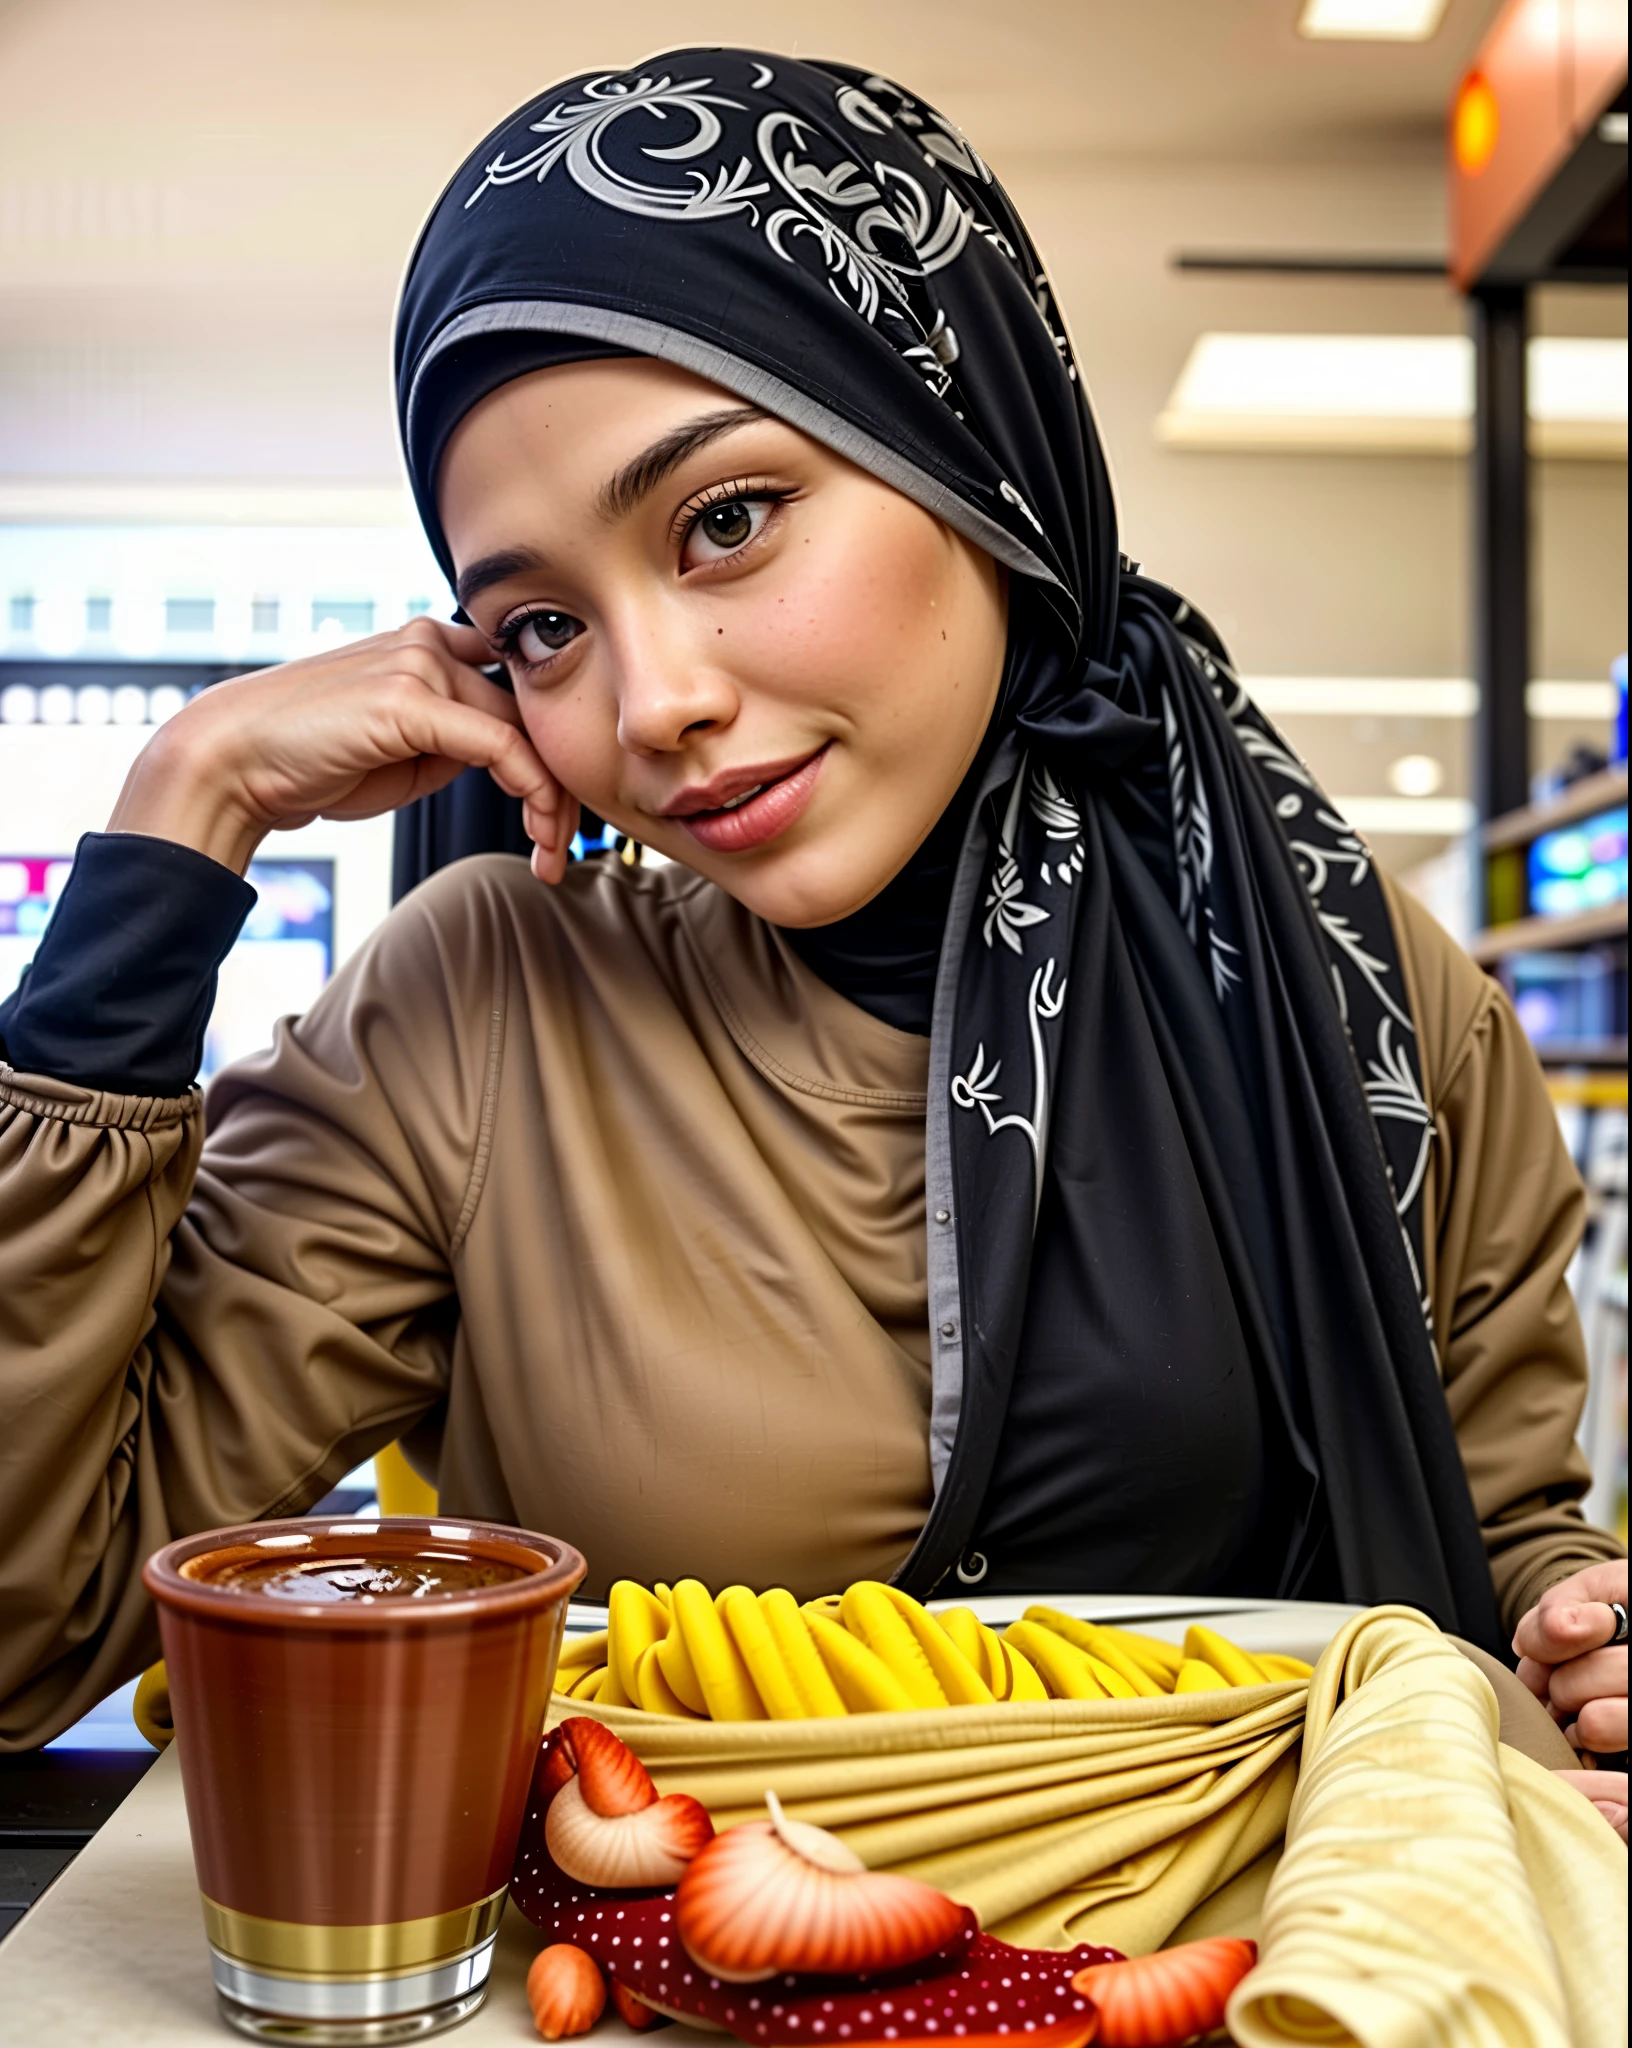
[
  {"x": 1604, "y": 1789},
  {"x": 463, "y": 643},
  {"x": 1601, "y": 1674},
  {"x": 472, "y": 687},
  {"x": 551, "y": 816},
  {"x": 431, "y": 724},
  {"x": 1564, "y": 1623},
  {"x": 427, "y": 661},
  {"x": 1601, "y": 1727},
  {"x": 549, "y": 867},
  {"x": 1536, "y": 1676},
  {"x": 389, "y": 788}
]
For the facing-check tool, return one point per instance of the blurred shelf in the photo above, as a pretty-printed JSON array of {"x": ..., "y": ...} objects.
[
  {"x": 1600, "y": 1089},
  {"x": 1581, "y": 1052},
  {"x": 1600, "y": 792},
  {"x": 1550, "y": 934}
]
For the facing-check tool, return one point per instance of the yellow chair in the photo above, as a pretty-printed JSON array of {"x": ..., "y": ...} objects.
[{"x": 401, "y": 1490}]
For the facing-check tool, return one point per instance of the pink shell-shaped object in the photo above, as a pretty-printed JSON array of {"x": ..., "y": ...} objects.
[
  {"x": 613, "y": 1778},
  {"x": 779, "y": 1895},
  {"x": 633, "y": 2011},
  {"x": 1175, "y": 1995},
  {"x": 556, "y": 1764},
  {"x": 998, "y": 1996},
  {"x": 566, "y": 1991},
  {"x": 640, "y": 1851}
]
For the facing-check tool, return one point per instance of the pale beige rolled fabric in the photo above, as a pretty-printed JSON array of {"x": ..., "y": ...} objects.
[
  {"x": 1436, "y": 1887},
  {"x": 1058, "y": 1822}
]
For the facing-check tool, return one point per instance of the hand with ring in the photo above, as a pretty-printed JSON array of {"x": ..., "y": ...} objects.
[{"x": 1572, "y": 1656}]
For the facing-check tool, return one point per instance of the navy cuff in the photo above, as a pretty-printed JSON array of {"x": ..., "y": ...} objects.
[{"x": 123, "y": 981}]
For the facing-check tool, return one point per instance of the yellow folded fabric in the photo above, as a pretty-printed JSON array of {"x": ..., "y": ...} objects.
[
  {"x": 1058, "y": 1821},
  {"x": 1435, "y": 1888}
]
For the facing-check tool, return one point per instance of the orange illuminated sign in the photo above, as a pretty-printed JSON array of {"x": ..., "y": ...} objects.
[
  {"x": 1475, "y": 124},
  {"x": 1541, "y": 80}
]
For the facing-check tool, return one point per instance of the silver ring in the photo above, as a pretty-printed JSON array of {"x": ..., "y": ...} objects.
[{"x": 1619, "y": 1613}]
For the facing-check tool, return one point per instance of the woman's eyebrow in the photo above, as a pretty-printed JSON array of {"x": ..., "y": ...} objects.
[
  {"x": 641, "y": 475},
  {"x": 620, "y": 494},
  {"x": 494, "y": 568}
]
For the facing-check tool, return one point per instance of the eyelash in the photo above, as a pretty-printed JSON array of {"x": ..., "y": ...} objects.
[
  {"x": 506, "y": 636},
  {"x": 740, "y": 492}
]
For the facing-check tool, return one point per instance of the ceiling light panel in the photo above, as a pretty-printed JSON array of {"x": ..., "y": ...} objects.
[
  {"x": 1441, "y": 817},
  {"x": 1373, "y": 21},
  {"x": 1386, "y": 394},
  {"x": 1417, "y": 697}
]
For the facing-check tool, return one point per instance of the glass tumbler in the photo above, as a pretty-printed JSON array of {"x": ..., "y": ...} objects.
[{"x": 356, "y": 1768}]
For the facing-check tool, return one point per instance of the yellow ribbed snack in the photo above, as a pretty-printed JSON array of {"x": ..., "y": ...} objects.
[
  {"x": 865, "y": 1682},
  {"x": 1161, "y": 1660},
  {"x": 1020, "y": 1676},
  {"x": 1127, "y": 1666},
  {"x": 653, "y": 1690},
  {"x": 674, "y": 1661},
  {"x": 681, "y": 1653},
  {"x": 722, "y": 1676},
  {"x": 635, "y": 1621},
  {"x": 1278, "y": 1668},
  {"x": 1233, "y": 1663},
  {"x": 873, "y": 1618},
  {"x": 578, "y": 1655},
  {"x": 957, "y": 1676},
  {"x": 800, "y": 1654},
  {"x": 1006, "y": 1673},
  {"x": 1106, "y": 1651},
  {"x": 739, "y": 1609},
  {"x": 981, "y": 1646},
  {"x": 1064, "y": 1669}
]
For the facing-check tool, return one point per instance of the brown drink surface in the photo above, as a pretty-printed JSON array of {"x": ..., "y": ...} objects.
[{"x": 425, "y": 1575}]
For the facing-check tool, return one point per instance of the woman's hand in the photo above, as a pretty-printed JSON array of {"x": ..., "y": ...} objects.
[
  {"x": 1569, "y": 1659},
  {"x": 1606, "y": 1790},
  {"x": 344, "y": 735}
]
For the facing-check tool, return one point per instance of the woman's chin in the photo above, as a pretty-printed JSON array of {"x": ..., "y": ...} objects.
[{"x": 801, "y": 888}]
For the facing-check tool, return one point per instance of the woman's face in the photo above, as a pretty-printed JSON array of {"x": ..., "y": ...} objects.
[{"x": 731, "y": 643}]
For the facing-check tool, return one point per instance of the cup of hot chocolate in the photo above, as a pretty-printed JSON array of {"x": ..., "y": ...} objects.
[{"x": 358, "y": 1710}]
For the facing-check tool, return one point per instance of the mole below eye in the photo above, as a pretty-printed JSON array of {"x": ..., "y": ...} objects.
[{"x": 542, "y": 634}]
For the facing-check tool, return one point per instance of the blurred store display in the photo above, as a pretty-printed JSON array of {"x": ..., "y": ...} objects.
[
  {"x": 247, "y": 595},
  {"x": 282, "y": 959},
  {"x": 1592, "y": 1113}
]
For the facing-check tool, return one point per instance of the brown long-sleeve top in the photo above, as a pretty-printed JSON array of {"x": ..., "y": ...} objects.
[{"x": 616, "y": 1212}]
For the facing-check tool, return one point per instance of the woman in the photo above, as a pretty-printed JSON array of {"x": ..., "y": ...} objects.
[{"x": 1020, "y": 1142}]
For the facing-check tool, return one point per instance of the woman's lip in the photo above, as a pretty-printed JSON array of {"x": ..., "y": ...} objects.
[{"x": 762, "y": 817}]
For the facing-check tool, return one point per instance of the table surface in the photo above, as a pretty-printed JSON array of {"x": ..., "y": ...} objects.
[{"x": 114, "y": 1951}]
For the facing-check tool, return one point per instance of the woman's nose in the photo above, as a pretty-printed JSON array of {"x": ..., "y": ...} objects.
[{"x": 668, "y": 692}]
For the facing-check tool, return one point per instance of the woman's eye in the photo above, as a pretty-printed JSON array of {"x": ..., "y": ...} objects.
[
  {"x": 722, "y": 529},
  {"x": 542, "y": 634}
]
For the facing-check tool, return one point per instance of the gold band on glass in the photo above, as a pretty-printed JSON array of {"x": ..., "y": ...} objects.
[{"x": 298, "y": 1948}]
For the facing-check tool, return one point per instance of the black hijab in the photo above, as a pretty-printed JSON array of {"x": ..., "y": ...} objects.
[{"x": 1177, "y": 1133}]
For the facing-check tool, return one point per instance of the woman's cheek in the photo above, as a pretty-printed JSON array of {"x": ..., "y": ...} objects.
[{"x": 577, "y": 740}]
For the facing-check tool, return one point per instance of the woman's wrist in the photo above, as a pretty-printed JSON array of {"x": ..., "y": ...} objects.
[{"x": 171, "y": 793}]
